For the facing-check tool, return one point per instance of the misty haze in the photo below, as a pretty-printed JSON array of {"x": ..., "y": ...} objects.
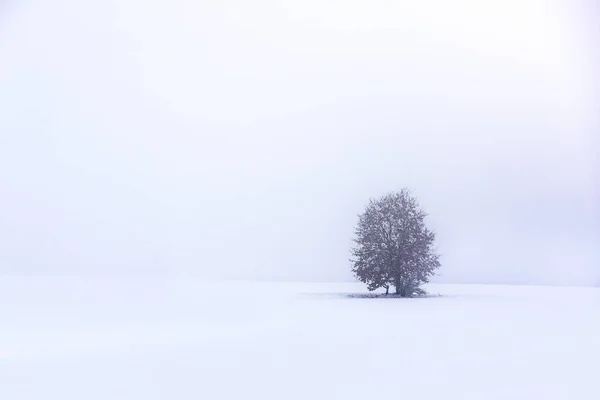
[{"x": 225, "y": 199}]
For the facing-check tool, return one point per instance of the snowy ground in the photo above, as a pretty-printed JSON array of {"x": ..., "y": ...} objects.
[{"x": 106, "y": 339}]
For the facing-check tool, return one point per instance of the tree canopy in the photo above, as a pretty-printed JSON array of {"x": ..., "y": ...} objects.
[{"x": 393, "y": 247}]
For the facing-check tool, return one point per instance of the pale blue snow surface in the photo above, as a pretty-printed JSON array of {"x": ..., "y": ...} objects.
[{"x": 67, "y": 338}]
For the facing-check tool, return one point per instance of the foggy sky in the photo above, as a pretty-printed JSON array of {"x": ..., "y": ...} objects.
[{"x": 240, "y": 139}]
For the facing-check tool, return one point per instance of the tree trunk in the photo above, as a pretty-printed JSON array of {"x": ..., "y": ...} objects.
[
  {"x": 400, "y": 288},
  {"x": 387, "y": 290}
]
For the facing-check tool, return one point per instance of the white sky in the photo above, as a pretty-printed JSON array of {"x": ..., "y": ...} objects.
[{"x": 239, "y": 139}]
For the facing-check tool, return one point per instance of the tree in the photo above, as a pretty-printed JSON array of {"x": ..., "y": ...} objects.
[{"x": 393, "y": 247}]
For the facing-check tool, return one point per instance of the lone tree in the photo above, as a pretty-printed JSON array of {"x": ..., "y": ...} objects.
[{"x": 393, "y": 247}]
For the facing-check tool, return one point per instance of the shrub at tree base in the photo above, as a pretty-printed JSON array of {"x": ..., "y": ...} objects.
[{"x": 393, "y": 247}]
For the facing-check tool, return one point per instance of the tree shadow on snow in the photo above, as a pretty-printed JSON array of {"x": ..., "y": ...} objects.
[
  {"x": 389, "y": 296},
  {"x": 376, "y": 296}
]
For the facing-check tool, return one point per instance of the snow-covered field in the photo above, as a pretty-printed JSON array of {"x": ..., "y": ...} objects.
[{"x": 67, "y": 338}]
